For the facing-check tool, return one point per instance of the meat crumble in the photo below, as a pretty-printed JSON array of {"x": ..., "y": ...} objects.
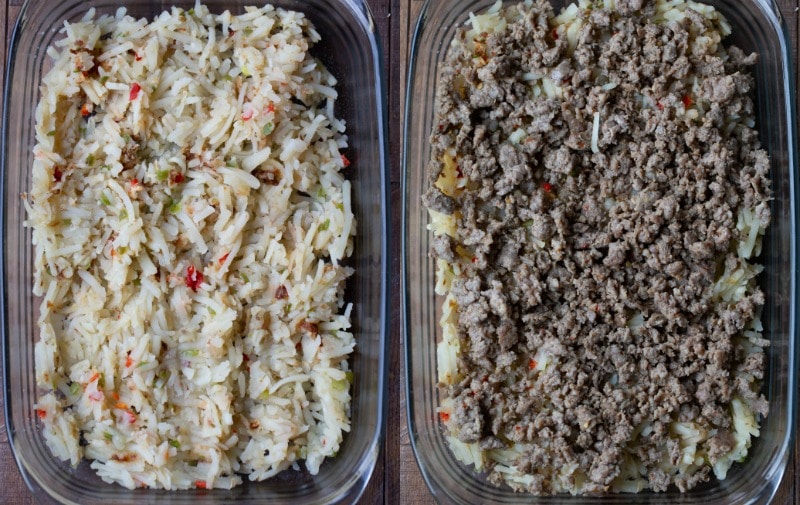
[{"x": 604, "y": 178}]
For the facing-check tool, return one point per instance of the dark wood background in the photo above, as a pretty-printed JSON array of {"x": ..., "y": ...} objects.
[{"x": 397, "y": 479}]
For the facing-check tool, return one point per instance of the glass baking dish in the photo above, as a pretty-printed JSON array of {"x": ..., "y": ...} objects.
[
  {"x": 350, "y": 49},
  {"x": 757, "y": 26}
]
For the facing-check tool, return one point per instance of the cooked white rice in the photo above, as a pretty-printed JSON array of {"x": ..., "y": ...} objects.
[{"x": 189, "y": 216}]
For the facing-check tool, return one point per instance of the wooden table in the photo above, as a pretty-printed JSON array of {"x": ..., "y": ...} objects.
[{"x": 397, "y": 479}]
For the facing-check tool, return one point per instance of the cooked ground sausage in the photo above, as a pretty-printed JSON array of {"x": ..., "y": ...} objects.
[{"x": 601, "y": 254}]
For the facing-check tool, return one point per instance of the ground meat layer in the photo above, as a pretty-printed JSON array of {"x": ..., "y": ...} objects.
[{"x": 600, "y": 256}]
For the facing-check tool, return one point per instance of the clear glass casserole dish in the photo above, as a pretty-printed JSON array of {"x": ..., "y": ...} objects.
[
  {"x": 756, "y": 26},
  {"x": 351, "y": 51}
]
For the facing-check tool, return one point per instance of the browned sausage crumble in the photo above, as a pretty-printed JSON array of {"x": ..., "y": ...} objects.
[{"x": 604, "y": 182}]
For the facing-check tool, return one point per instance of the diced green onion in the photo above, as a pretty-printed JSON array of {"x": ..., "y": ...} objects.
[
  {"x": 174, "y": 443},
  {"x": 268, "y": 128},
  {"x": 324, "y": 226},
  {"x": 162, "y": 175}
]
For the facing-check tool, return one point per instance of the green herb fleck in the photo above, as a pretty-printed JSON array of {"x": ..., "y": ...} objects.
[
  {"x": 268, "y": 128},
  {"x": 162, "y": 175},
  {"x": 101, "y": 382},
  {"x": 248, "y": 31},
  {"x": 190, "y": 12},
  {"x": 212, "y": 311},
  {"x": 141, "y": 363},
  {"x": 122, "y": 249},
  {"x": 104, "y": 199},
  {"x": 191, "y": 353},
  {"x": 231, "y": 163},
  {"x": 106, "y": 167},
  {"x": 108, "y": 436},
  {"x": 137, "y": 282},
  {"x": 104, "y": 79},
  {"x": 349, "y": 376},
  {"x": 264, "y": 396},
  {"x": 527, "y": 224},
  {"x": 174, "y": 443},
  {"x": 75, "y": 388},
  {"x": 193, "y": 462},
  {"x": 339, "y": 205},
  {"x": 51, "y": 133},
  {"x": 321, "y": 193},
  {"x": 244, "y": 277},
  {"x": 123, "y": 214},
  {"x": 324, "y": 226},
  {"x": 174, "y": 206},
  {"x": 287, "y": 308},
  {"x": 126, "y": 137},
  {"x": 66, "y": 222},
  {"x": 90, "y": 160}
]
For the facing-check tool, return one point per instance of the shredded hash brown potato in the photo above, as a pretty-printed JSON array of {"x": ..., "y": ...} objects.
[{"x": 190, "y": 216}]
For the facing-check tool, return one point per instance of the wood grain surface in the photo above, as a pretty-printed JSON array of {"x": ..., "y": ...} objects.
[{"x": 397, "y": 479}]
